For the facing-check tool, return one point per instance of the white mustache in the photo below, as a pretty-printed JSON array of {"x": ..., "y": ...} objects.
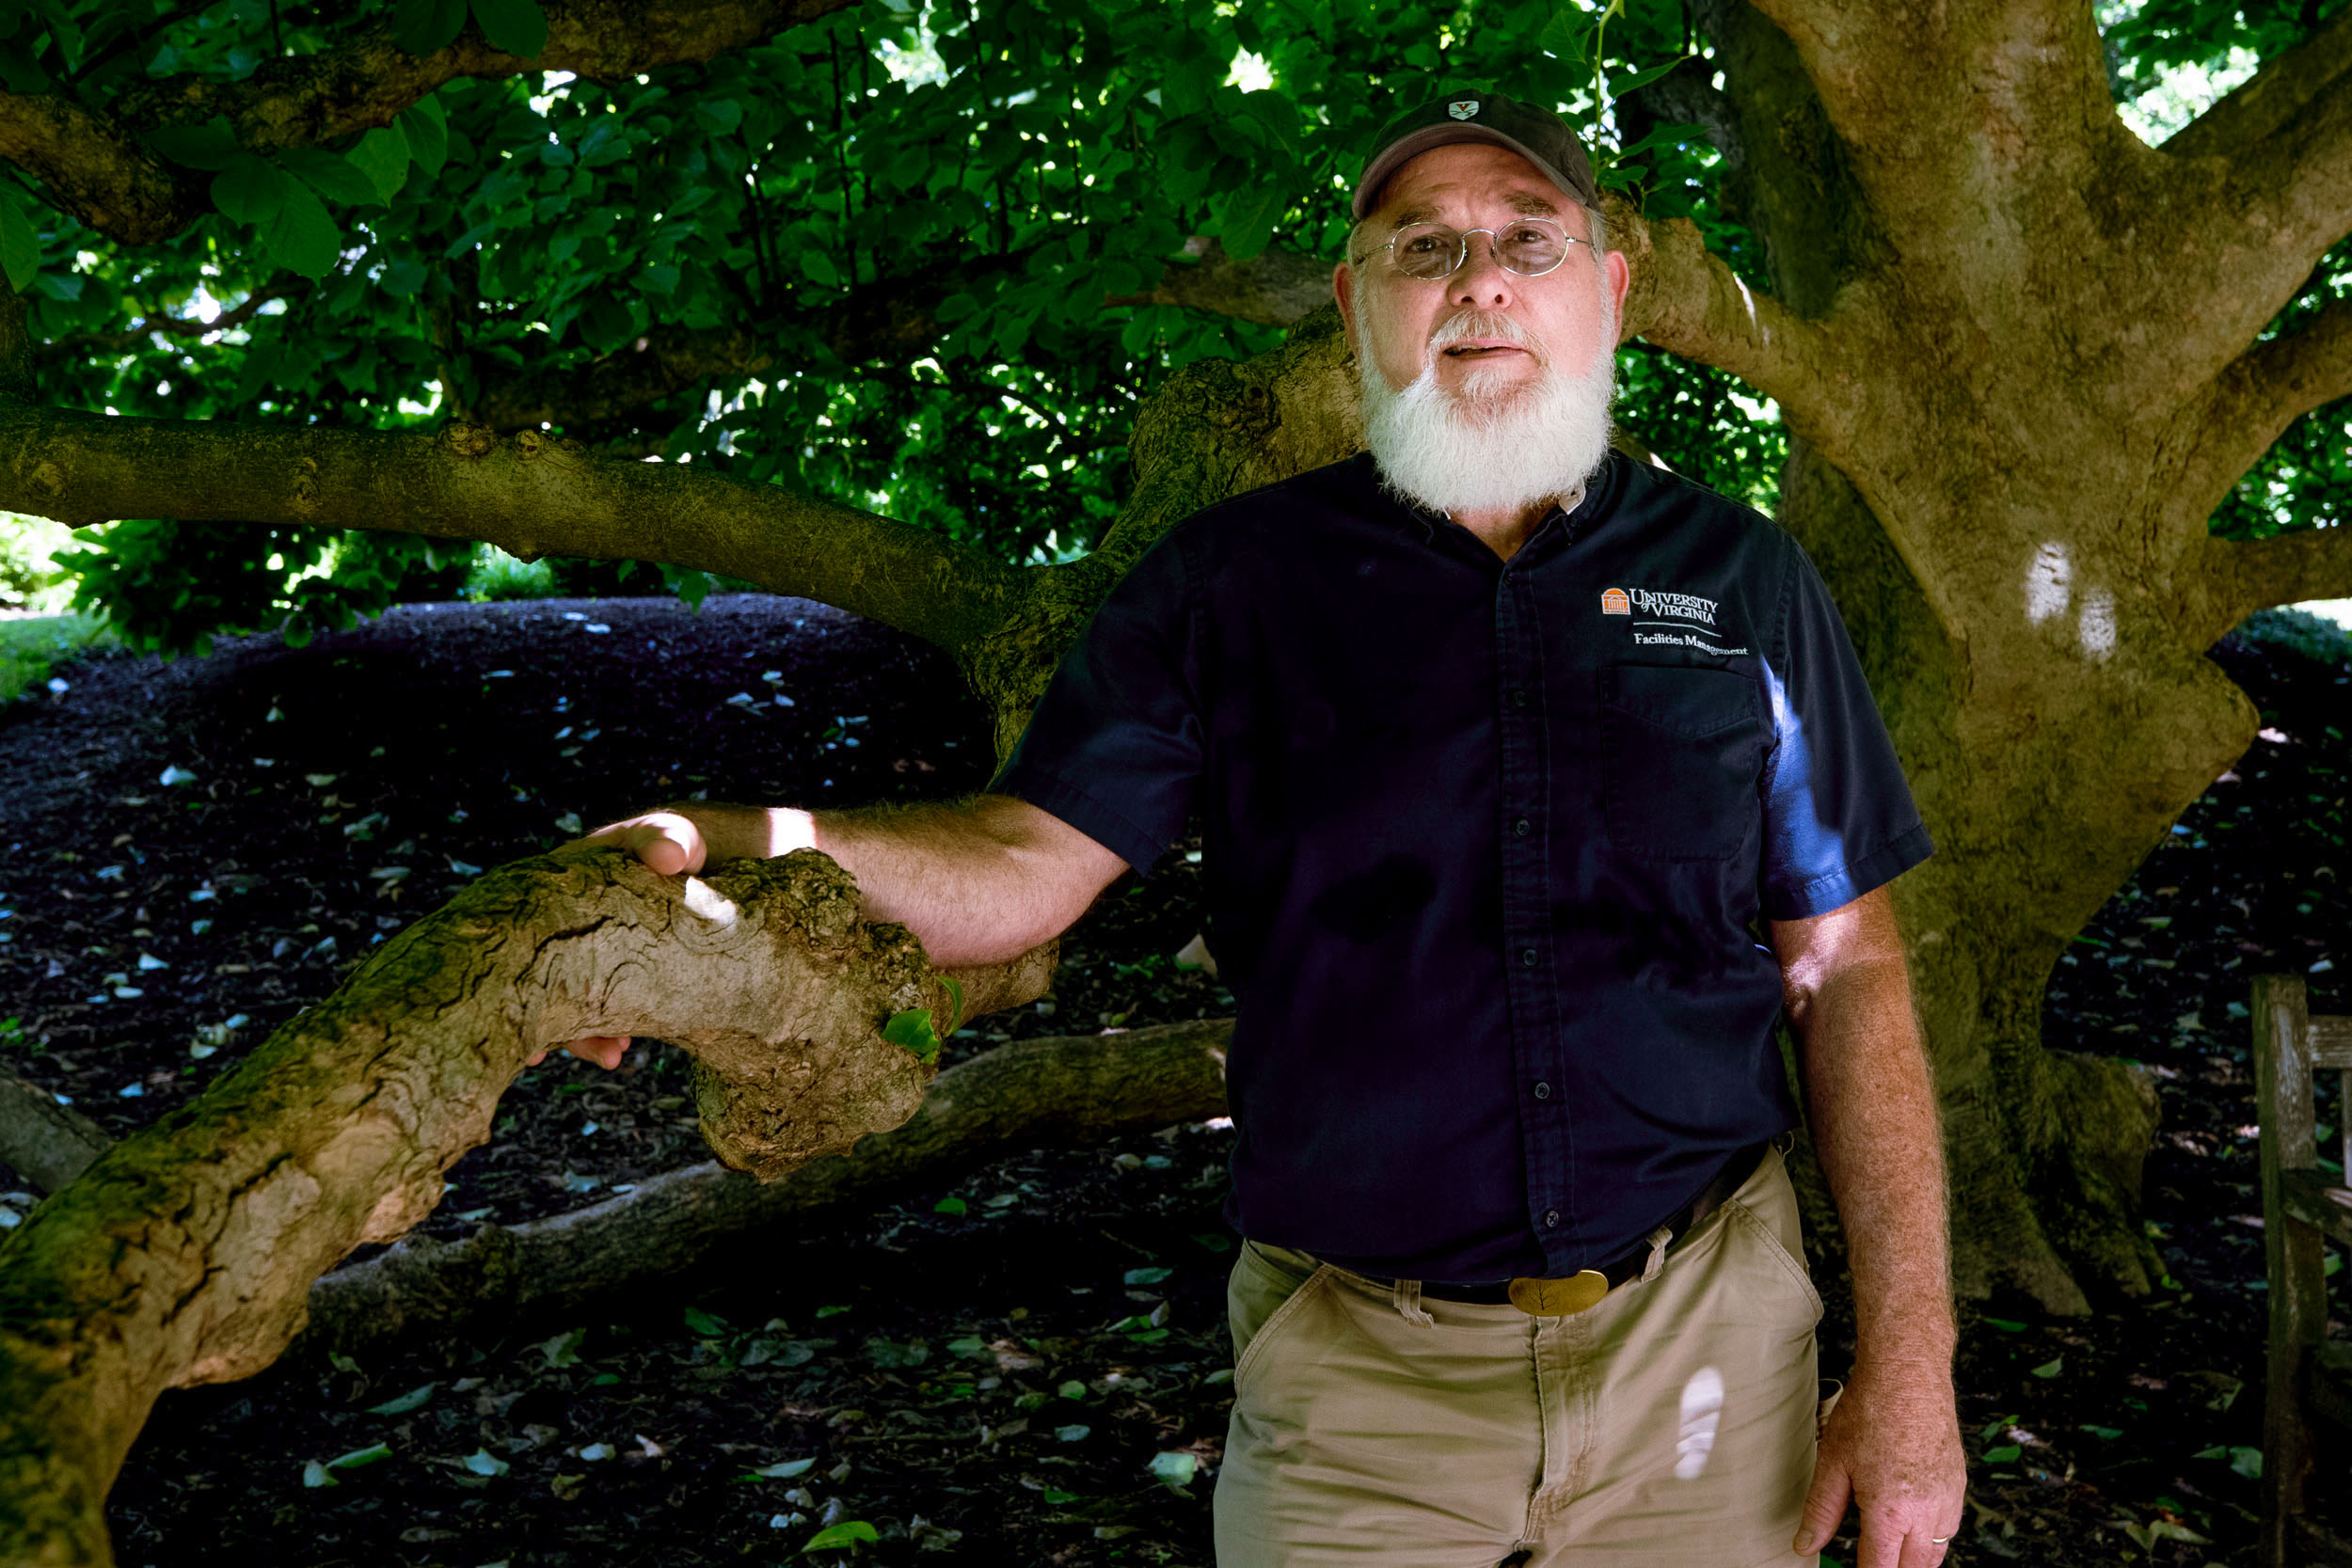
[{"x": 1483, "y": 324}]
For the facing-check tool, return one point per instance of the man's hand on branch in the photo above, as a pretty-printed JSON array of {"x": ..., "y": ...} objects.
[{"x": 666, "y": 841}]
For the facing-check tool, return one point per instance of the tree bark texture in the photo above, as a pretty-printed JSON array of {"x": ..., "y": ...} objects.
[
  {"x": 1062, "y": 1092},
  {"x": 184, "y": 1254}
]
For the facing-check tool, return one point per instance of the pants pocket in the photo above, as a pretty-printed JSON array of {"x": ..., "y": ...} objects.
[{"x": 1263, "y": 1297}]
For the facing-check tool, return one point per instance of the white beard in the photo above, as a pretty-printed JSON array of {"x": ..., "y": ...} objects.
[{"x": 1496, "y": 444}]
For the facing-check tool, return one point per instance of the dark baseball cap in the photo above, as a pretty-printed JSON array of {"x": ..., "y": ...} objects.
[{"x": 1540, "y": 136}]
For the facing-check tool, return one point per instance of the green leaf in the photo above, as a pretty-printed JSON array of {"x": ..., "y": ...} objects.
[
  {"x": 2051, "y": 1368},
  {"x": 1147, "y": 1276},
  {"x": 2105, "y": 1434},
  {"x": 704, "y": 1325},
  {"x": 2247, "y": 1462},
  {"x": 1175, "y": 1469},
  {"x": 1072, "y": 1390},
  {"x": 783, "y": 1470},
  {"x": 2006, "y": 1454},
  {"x": 564, "y": 1350},
  {"x": 314, "y": 1475},
  {"x": 517, "y": 27},
  {"x": 849, "y": 1532},
  {"x": 20, "y": 245},
  {"x": 2005, "y": 1324},
  {"x": 482, "y": 1461},
  {"x": 359, "y": 1459},
  {"x": 912, "y": 1029},
  {"x": 422, "y": 27},
  {"x": 1056, "y": 1496},
  {"x": 382, "y": 155},
  {"x": 250, "y": 190},
  {"x": 1250, "y": 216},
  {"x": 819, "y": 266},
  {"x": 301, "y": 237},
  {"x": 209, "y": 146},
  {"x": 426, "y": 124},
  {"x": 949, "y": 1206},
  {"x": 333, "y": 176},
  {"x": 413, "y": 1399},
  {"x": 718, "y": 115},
  {"x": 955, "y": 307}
]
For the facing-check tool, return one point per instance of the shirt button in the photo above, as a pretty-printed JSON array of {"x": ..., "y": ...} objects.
[
  {"x": 1520, "y": 827},
  {"x": 1552, "y": 1219},
  {"x": 1527, "y": 957},
  {"x": 1543, "y": 1091}
]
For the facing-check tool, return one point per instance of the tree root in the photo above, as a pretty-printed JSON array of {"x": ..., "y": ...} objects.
[
  {"x": 1069, "y": 1090},
  {"x": 185, "y": 1254}
]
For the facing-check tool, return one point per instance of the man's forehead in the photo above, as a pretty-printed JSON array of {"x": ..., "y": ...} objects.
[{"x": 1462, "y": 176}]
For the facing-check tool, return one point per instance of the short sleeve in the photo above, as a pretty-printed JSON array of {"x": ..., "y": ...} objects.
[
  {"x": 1838, "y": 818},
  {"x": 1115, "y": 746}
]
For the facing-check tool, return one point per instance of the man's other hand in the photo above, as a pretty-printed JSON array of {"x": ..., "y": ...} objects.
[
  {"x": 1892, "y": 1447},
  {"x": 605, "y": 1051},
  {"x": 667, "y": 843}
]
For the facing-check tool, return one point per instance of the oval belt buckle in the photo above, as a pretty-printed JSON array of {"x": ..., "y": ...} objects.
[{"x": 1557, "y": 1298}]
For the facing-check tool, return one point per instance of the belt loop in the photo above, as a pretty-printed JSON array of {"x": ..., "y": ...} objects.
[
  {"x": 1406, "y": 1295},
  {"x": 1656, "y": 1259}
]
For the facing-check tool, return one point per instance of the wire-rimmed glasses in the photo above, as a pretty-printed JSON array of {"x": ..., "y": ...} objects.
[{"x": 1529, "y": 246}]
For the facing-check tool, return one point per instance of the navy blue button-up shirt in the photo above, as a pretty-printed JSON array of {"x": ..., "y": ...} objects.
[{"x": 1487, "y": 846}]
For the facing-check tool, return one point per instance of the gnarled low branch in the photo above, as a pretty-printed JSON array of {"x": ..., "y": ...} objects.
[
  {"x": 48, "y": 1144},
  {"x": 185, "y": 1254},
  {"x": 97, "y": 168},
  {"x": 525, "y": 493},
  {"x": 1062, "y": 1093}
]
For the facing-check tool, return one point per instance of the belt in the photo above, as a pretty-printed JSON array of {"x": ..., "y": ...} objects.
[{"x": 1545, "y": 1298}]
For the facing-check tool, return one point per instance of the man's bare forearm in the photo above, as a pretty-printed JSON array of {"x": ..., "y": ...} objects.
[
  {"x": 1871, "y": 1104},
  {"x": 976, "y": 881}
]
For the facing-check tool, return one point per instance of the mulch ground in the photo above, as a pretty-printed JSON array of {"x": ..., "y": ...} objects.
[{"x": 1030, "y": 1366}]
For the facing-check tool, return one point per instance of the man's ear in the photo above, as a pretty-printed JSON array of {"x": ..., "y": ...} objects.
[
  {"x": 1620, "y": 276},
  {"x": 1344, "y": 295}
]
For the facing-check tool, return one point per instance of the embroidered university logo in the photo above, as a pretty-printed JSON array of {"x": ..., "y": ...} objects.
[
  {"x": 1463, "y": 108},
  {"x": 1615, "y": 602}
]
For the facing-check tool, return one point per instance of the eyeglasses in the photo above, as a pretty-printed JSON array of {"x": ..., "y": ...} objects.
[{"x": 1432, "y": 251}]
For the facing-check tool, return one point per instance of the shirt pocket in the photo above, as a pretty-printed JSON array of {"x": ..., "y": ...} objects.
[{"x": 1682, "y": 747}]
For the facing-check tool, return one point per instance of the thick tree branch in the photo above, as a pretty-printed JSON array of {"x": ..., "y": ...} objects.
[
  {"x": 2252, "y": 404},
  {"x": 48, "y": 1144},
  {"x": 1275, "y": 287},
  {"x": 1688, "y": 302},
  {"x": 2236, "y": 579},
  {"x": 97, "y": 167},
  {"x": 530, "y": 494},
  {"x": 2272, "y": 103}
]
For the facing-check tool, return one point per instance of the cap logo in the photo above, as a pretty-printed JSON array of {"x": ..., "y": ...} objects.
[
  {"x": 1463, "y": 108},
  {"x": 1615, "y": 601}
]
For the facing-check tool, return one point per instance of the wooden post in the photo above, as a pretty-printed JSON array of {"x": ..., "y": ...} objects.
[{"x": 2294, "y": 1251}]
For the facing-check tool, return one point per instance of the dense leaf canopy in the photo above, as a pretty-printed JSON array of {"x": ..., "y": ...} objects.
[{"x": 924, "y": 258}]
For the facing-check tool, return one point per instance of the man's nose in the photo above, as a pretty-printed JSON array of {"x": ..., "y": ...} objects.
[{"x": 1482, "y": 281}]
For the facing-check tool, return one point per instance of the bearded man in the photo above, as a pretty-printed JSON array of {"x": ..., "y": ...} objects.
[{"x": 1505, "y": 748}]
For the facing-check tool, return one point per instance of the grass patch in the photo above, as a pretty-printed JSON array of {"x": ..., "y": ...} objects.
[{"x": 31, "y": 644}]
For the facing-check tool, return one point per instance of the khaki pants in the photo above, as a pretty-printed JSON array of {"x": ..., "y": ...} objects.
[{"x": 1672, "y": 1424}]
